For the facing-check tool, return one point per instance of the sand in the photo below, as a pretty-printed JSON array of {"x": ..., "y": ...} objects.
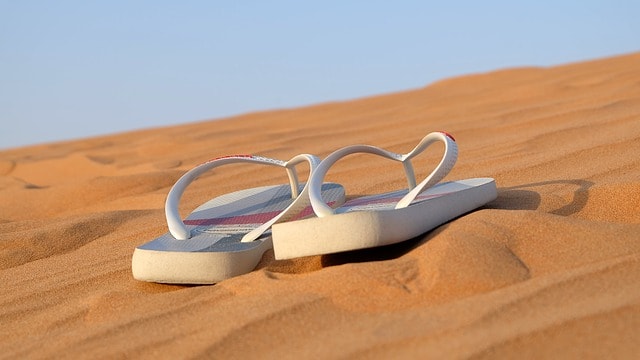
[{"x": 551, "y": 269}]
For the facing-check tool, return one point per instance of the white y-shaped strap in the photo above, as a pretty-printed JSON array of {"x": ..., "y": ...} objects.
[
  {"x": 447, "y": 162},
  {"x": 300, "y": 203},
  {"x": 444, "y": 167},
  {"x": 179, "y": 230}
]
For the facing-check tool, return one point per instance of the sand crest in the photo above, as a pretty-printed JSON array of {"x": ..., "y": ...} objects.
[{"x": 551, "y": 269}]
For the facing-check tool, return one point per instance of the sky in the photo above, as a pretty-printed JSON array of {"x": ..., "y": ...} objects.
[{"x": 73, "y": 69}]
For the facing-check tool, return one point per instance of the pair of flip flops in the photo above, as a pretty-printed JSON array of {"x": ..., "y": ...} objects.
[{"x": 228, "y": 235}]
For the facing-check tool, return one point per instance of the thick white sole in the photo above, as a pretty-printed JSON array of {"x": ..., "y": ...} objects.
[
  {"x": 366, "y": 229},
  {"x": 177, "y": 267},
  {"x": 210, "y": 257}
]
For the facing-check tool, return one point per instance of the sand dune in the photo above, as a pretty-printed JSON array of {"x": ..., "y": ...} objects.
[{"x": 551, "y": 269}]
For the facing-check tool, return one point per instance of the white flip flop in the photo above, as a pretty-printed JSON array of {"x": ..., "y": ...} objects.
[
  {"x": 227, "y": 235},
  {"x": 387, "y": 218}
]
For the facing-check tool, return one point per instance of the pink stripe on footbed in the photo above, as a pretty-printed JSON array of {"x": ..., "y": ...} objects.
[
  {"x": 387, "y": 200},
  {"x": 259, "y": 218}
]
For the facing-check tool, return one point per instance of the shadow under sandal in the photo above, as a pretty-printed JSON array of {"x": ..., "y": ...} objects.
[
  {"x": 227, "y": 235},
  {"x": 387, "y": 218}
]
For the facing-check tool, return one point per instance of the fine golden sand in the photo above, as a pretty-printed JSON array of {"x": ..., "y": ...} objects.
[{"x": 551, "y": 269}]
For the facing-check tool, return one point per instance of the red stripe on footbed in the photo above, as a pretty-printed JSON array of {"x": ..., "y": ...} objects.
[
  {"x": 307, "y": 212},
  {"x": 260, "y": 218},
  {"x": 235, "y": 220},
  {"x": 394, "y": 199}
]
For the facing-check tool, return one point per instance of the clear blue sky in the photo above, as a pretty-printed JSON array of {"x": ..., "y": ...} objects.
[{"x": 72, "y": 69}]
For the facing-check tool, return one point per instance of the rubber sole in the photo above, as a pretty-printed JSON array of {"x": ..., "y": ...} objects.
[
  {"x": 177, "y": 267},
  {"x": 215, "y": 251},
  {"x": 355, "y": 230}
]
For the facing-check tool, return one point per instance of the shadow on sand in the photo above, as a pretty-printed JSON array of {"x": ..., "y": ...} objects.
[{"x": 509, "y": 198}]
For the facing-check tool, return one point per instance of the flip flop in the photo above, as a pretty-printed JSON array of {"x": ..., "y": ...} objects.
[
  {"x": 387, "y": 218},
  {"x": 227, "y": 235}
]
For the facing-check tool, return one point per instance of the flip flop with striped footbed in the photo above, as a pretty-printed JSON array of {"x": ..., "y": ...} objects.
[
  {"x": 387, "y": 218},
  {"x": 227, "y": 235}
]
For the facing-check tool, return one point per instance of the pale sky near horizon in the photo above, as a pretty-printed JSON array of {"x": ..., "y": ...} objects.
[{"x": 72, "y": 69}]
